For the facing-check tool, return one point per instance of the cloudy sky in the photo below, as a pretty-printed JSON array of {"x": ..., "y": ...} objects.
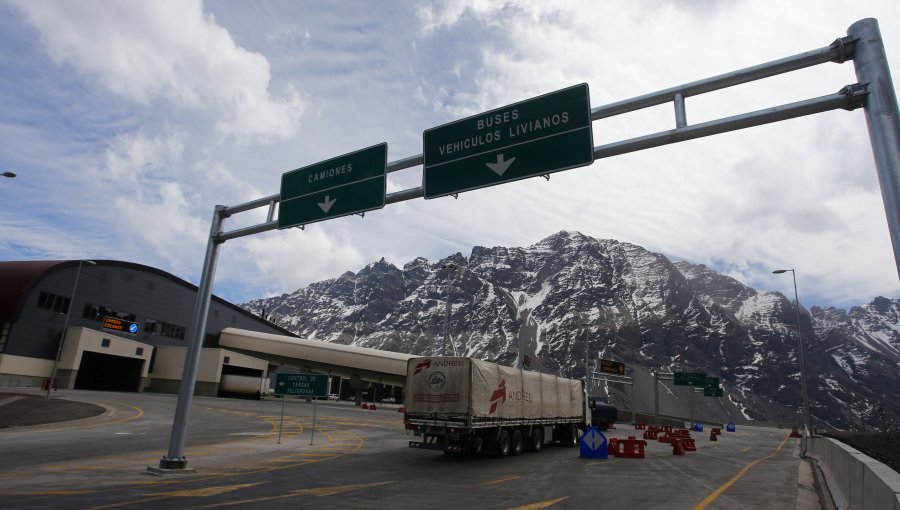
[{"x": 127, "y": 122}]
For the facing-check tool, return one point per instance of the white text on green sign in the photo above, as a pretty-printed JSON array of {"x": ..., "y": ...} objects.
[
  {"x": 348, "y": 184},
  {"x": 539, "y": 136}
]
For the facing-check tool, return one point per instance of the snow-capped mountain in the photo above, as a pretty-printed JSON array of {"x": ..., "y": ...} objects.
[{"x": 552, "y": 300}]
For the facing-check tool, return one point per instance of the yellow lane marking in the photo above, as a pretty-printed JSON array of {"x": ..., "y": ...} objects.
[
  {"x": 318, "y": 492},
  {"x": 542, "y": 504},
  {"x": 718, "y": 492},
  {"x": 140, "y": 412},
  {"x": 60, "y": 493},
  {"x": 493, "y": 482},
  {"x": 207, "y": 491}
]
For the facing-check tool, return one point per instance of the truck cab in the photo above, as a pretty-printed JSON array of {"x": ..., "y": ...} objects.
[{"x": 603, "y": 414}]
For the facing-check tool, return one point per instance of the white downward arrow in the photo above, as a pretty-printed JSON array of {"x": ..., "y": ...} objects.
[
  {"x": 500, "y": 166},
  {"x": 326, "y": 205}
]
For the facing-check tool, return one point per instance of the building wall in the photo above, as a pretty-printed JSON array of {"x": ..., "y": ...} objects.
[
  {"x": 126, "y": 288},
  {"x": 139, "y": 293}
]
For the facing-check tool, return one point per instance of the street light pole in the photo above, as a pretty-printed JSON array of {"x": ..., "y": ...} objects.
[
  {"x": 806, "y": 411},
  {"x": 62, "y": 335}
]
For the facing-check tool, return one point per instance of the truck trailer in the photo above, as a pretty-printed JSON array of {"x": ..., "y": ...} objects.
[{"x": 465, "y": 405}]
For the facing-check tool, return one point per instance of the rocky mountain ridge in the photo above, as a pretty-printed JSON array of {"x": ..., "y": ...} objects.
[{"x": 548, "y": 303}]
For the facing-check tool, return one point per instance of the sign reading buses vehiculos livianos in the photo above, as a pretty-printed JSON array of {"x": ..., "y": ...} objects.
[{"x": 539, "y": 136}]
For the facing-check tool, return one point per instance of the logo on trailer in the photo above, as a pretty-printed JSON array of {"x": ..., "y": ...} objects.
[
  {"x": 421, "y": 366},
  {"x": 436, "y": 381},
  {"x": 498, "y": 396}
]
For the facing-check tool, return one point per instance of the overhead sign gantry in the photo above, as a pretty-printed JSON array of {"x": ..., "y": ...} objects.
[{"x": 874, "y": 92}]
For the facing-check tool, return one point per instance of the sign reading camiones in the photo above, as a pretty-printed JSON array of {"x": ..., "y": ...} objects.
[
  {"x": 539, "y": 136},
  {"x": 304, "y": 385},
  {"x": 348, "y": 184}
]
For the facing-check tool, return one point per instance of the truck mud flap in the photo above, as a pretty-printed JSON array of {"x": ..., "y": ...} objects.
[{"x": 428, "y": 446}]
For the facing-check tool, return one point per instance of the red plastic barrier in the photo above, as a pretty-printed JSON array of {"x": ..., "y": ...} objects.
[
  {"x": 681, "y": 433},
  {"x": 365, "y": 405},
  {"x": 677, "y": 446},
  {"x": 401, "y": 409},
  {"x": 640, "y": 426},
  {"x": 712, "y": 436},
  {"x": 612, "y": 446},
  {"x": 689, "y": 444},
  {"x": 651, "y": 434},
  {"x": 666, "y": 438},
  {"x": 666, "y": 428},
  {"x": 372, "y": 407},
  {"x": 631, "y": 448},
  {"x": 717, "y": 431}
]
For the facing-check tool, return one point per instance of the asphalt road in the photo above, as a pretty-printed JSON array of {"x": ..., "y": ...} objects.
[{"x": 360, "y": 459}]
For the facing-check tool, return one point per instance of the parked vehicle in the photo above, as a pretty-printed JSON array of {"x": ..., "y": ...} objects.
[
  {"x": 333, "y": 396},
  {"x": 464, "y": 405},
  {"x": 388, "y": 400}
]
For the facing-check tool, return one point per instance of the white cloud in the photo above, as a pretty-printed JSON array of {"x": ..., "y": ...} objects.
[{"x": 168, "y": 50}]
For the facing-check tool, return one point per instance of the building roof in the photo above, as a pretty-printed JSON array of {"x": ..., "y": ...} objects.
[{"x": 19, "y": 276}]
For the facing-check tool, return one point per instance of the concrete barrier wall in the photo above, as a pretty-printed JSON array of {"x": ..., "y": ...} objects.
[{"x": 855, "y": 480}]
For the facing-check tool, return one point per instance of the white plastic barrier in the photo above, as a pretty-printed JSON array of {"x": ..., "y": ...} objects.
[{"x": 855, "y": 480}]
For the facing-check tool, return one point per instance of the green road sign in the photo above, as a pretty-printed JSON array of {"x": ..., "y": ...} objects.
[
  {"x": 545, "y": 134},
  {"x": 348, "y": 184},
  {"x": 712, "y": 392},
  {"x": 609, "y": 366},
  {"x": 712, "y": 382},
  {"x": 690, "y": 379},
  {"x": 304, "y": 385}
]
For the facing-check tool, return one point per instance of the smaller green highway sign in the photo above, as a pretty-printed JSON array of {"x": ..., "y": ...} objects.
[
  {"x": 712, "y": 382},
  {"x": 538, "y": 136},
  {"x": 304, "y": 385},
  {"x": 348, "y": 184},
  {"x": 713, "y": 392},
  {"x": 690, "y": 379}
]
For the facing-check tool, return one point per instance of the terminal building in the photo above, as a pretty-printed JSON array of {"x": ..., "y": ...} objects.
[{"x": 121, "y": 326}]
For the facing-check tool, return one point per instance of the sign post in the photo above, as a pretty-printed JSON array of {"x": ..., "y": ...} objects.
[
  {"x": 538, "y": 136},
  {"x": 303, "y": 385},
  {"x": 348, "y": 184}
]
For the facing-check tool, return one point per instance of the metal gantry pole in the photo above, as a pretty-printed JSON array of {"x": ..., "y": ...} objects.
[
  {"x": 806, "y": 410},
  {"x": 175, "y": 458},
  {"x": 882, "y": 119},
  {"x": 62, "y": 336},
  {"x": 656, "y": 397}
]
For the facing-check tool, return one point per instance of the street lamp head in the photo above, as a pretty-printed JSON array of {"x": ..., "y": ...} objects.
[
  {"x": 89, "y": 262},
  {"x": 9, "y": 174},
  {"x": 780, "y": 271}
]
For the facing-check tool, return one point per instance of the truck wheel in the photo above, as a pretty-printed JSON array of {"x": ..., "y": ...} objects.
[
  {"x": 572, "y": 439},
  {"x": 515, "y": 447},
  {"x": 537, "y": 439},
  {"x": 503, "y": 444}
]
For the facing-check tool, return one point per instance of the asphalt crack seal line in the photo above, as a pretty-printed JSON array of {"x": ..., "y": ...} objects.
[{"x": 718, "y": 492}]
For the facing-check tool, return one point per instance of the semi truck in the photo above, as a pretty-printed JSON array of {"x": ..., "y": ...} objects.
[{"x": 465, "y": 405}]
